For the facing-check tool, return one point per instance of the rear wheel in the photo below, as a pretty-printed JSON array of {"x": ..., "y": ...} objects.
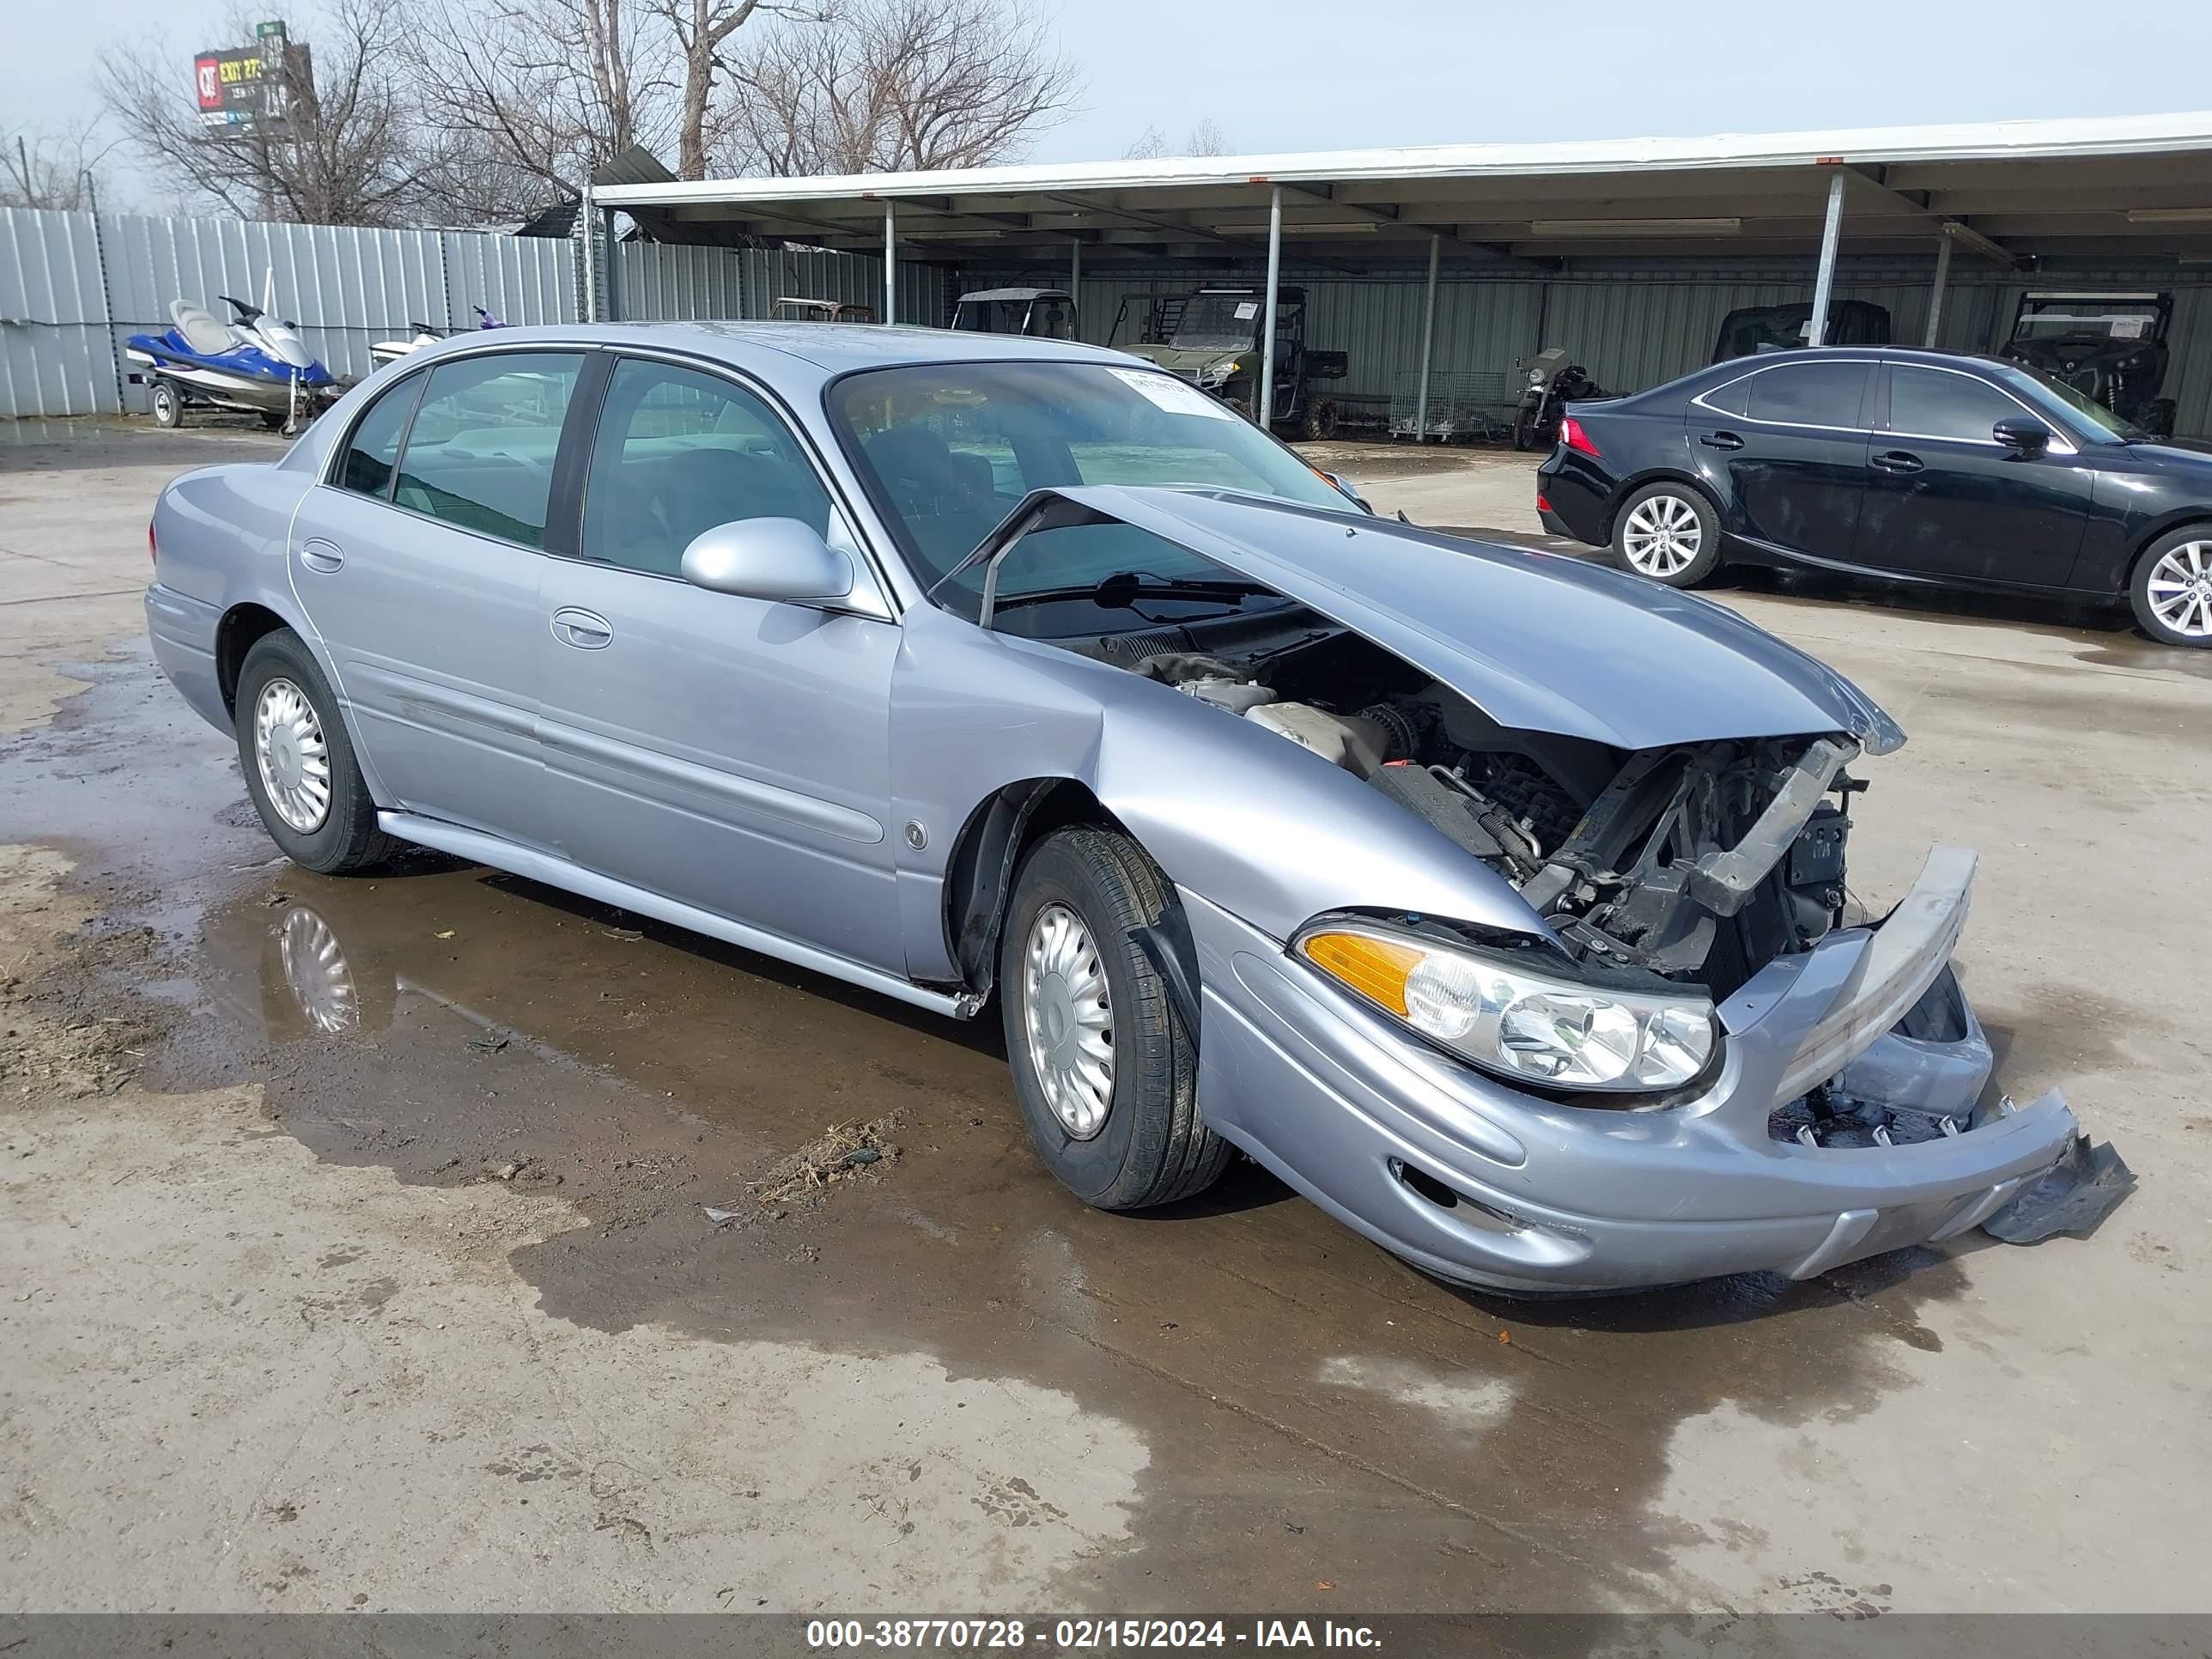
[
  {"x": 1669, "y": 532},
  {"x": 1320, "y": 419},
  {"x": 1105, "y": 1070},
  {"x": 168, "y": 404},
  {"x": 2172, "y": 587},
  {"x": 299, "y": 763}
]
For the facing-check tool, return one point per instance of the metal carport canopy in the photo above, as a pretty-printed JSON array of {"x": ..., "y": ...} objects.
[{"x": 2003, "y": 190}]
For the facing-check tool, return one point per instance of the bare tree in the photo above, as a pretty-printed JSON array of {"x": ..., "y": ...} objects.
[
  {"x": 40, "y": 169},
  {"x": 894, "y": 85},
  {"x": 701, "y": 30},
  {"x": 347, "y": 150},
  {"x": 532, "y": 95},
  {"x": 1205, "y": 139}
]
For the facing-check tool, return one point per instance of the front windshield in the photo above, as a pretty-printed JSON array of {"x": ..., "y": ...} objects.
[
  {"x": 2102, "y": 424},
  {"x": 947, "y": 450},
  {"x": 2087, "y": 317},
  {"x": 1218, "y": 322}
]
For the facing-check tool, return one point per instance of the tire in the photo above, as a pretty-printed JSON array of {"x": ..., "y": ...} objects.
[
  {"x": 2178, "y": 564},
  {"x": 345, "y": 838},
  {"x": 168, "y": 404},
  {"x": 1524, "y": 428},
  {"x": 1320, "y": 420},
  {"x": 1669, "y": 532},
  {"x": 1150, "y": 1146},
  {"x": 274, "y": 419}
]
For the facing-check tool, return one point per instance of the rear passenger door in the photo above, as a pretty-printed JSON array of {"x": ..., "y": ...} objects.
[
  {"x": 417, "y": 562},
  {"x": 729, "y": 752},
  {"x": 1791, "y": 441}
]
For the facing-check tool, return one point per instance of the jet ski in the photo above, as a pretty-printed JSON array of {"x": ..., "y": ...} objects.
[
  {"x": 255, "y": 364},
  {"x": 391, "y": 351}
]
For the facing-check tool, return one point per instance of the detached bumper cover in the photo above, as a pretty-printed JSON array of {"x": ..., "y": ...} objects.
[{"x": 1473, "y": 1180}]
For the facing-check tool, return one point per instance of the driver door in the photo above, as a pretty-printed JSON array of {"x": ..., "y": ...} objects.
[{"x": 728, "y": 752}]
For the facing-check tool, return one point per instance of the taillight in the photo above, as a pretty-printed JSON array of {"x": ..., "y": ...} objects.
[
  {"x": 152, "y": 551},
  {"x": 1543, "y": 503},
  {"x": 1572, "y": 437}
]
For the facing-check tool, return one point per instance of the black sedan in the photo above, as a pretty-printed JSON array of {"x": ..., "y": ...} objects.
[{"x": 1909, "y": 466}]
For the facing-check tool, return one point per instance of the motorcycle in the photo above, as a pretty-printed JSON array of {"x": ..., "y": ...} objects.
[
  {"x": 254, "y": 364},
  {"x": 1549, "y": 383},
  {"x": 391, "y": 351}
]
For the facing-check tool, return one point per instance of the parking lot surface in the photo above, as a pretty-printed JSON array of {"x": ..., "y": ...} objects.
[{"x": 357, "y": 1250}]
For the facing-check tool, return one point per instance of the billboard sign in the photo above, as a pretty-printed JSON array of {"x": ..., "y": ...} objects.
[{"x": 229, "y": 84}]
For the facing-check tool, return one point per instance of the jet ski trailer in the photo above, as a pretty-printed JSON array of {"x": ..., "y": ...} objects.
[{"x": 255, "y": 365}]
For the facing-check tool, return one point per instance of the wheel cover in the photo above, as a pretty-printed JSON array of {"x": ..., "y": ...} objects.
[
  {"x": 1068, "y": 1018},
  {"x": 289, "y": 753},
  {"x": 2180, "y": 589},
  {"x": 316, "y": 972},
  {"x": 1662, "y": 536}
]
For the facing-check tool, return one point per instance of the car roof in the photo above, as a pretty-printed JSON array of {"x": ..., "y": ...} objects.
[{"x": 792, "y": 353}]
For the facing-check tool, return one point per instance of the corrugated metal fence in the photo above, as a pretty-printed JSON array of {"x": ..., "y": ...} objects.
[{"x": 74, "y": 287}]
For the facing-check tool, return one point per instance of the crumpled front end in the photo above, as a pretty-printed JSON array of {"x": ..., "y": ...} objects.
[{"x": 1477, "y": 1180}]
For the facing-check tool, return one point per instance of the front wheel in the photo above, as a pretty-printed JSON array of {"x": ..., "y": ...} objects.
[
  {"x": 168, "y": 404},
  {"x": 1669, "y": 532},
  {"x": 2173, "y": 588},
  {"x": 1526, "y": 424},
  {"x": 1320, "y": 419},
  {"x": 1105, "y": 1070}
]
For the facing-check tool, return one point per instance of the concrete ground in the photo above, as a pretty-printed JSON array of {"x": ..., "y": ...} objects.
[{"x": 354, "y": 1251}]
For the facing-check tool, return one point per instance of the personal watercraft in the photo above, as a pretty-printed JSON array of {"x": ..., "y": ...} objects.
[{"x": 255, "y": 364}]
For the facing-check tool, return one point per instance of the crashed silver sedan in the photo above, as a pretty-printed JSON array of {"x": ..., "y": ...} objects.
[{"x": 1494, "y": 901}]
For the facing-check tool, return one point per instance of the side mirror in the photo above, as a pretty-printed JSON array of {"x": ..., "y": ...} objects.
[
  {"x": 2023, "y": 433},
  {"x": 1344, "y": 487},
  {"x": 778, "y": 559}
]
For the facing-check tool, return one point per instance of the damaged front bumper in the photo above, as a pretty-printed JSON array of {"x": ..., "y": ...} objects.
[{"x": 1476, "y": 1181}]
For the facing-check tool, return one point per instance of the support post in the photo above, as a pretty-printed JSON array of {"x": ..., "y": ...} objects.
[
  {"x": 1935, "y": 293},
  {"x": 587, "y": 222},
  {"x": 1075, "y": 280},
  {"x": 1266, "y": 412},
  {"x": 1428, "y": 340},
  {"x": 890, "y": 262},
  {"x": 1824, "y": 283},
  {"x": 614, "y": 269}
]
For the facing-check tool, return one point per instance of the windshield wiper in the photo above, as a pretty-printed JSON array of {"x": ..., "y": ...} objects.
[{"x": 1121, "y": 590}]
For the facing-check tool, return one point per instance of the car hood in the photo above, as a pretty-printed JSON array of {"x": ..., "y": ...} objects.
[{"x": 1539, "y": 642}]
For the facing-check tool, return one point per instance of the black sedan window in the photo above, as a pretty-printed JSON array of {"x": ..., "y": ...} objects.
[
  {"x": 1934, "y": 403},
  {"x": 1810, "y": 394}
]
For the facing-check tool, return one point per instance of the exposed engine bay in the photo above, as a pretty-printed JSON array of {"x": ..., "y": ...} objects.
[{"x": 1699, "y": 863}]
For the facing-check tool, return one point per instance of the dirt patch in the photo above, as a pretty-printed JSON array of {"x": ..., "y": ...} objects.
[{"x": 842, "y": 1155}]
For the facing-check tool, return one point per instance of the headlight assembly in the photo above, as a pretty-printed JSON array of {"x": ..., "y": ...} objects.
[{"x": 1517, "y": 1019}]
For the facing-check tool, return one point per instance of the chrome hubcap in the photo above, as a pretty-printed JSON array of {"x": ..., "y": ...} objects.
[
  {"x": 294, "y": 761},
  {"x": 1662, "y": 536},
  {"x": 315, "y": 969},
  {"x": 2181, "y": 589},
  {"x": 1069, "y": 1020}
]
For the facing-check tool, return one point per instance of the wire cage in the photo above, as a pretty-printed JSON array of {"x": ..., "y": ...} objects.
[{"x": 1463, "y": 404}]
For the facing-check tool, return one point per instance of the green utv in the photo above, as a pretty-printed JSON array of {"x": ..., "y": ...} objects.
[{"x": 1212, "y": 338}]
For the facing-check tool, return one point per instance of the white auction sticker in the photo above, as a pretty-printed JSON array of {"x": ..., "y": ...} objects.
[
  {"x": 1177, "y": 397},
  {"x": 1247, "y": 310}
]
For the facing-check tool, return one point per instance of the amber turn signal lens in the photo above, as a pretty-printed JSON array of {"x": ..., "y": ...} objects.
[{"x": 1374, "y": 967}]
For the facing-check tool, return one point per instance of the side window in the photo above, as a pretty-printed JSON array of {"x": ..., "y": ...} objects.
[
  {"x": 375, "y": 443},
  {"x": 1734, "y": 399},
  {"x": 679, "y": 451},
  {"x": 1926, "y": 403},
  {"x": 1810, "y": 394},
  {"x": 480, "y": 454}
]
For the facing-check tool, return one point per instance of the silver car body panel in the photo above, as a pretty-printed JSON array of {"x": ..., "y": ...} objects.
[{"x": 837, "y": 758}]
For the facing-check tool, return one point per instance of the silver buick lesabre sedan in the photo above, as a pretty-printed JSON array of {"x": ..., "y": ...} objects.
[{"x": 1492, "y": 900}]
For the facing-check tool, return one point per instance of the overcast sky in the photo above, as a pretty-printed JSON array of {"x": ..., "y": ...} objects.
[{"x": 1323, "y": 75}]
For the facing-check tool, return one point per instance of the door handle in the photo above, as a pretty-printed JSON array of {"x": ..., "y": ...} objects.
[
  {"x": 1896, "y": 460},
  {"x": 1721, "y": 440},
  {"x": 586, "y": 630},
  {"x": 318, "y": 554}
]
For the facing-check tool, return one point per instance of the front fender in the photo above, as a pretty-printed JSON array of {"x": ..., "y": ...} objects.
[{"x": 1267, "y": 830}]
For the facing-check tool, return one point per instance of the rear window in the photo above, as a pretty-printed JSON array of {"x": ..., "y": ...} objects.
[{"x": 1809, "y": 394}]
